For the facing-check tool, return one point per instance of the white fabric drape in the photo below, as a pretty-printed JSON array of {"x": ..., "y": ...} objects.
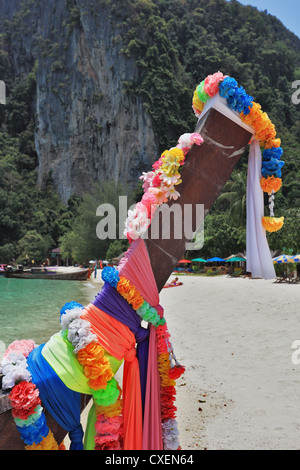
[{"x": 259, "y": 260}]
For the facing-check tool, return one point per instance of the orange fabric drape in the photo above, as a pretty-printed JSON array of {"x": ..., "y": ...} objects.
[
  {"x": 136, "y": 267},
  {"x": 120, "y": 342}
]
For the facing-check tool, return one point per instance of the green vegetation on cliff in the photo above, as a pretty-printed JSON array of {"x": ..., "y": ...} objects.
[{"x": 175, "y": 44}]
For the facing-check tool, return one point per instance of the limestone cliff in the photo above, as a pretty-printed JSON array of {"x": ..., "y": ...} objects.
[{"x": 88, "y": 128}]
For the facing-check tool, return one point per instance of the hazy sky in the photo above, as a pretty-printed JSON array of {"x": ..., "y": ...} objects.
[{"x": 287, "y": 11}]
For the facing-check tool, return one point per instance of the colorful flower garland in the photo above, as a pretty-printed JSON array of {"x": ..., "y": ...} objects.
[
  {"x": 97, "y": 369},
  {"x": 26, "y": 404},
  {"x": 251, "y": 114},
  {"x": 27, "y": 411},
  {"x": 169, "y": 368},
  {"x": 159, "y": 186}
]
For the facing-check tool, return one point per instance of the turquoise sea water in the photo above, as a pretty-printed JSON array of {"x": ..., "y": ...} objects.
[{"x": 29, "y": 308}]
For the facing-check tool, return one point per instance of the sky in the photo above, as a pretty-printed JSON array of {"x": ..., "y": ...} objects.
[{"x": 287, "y": 11}]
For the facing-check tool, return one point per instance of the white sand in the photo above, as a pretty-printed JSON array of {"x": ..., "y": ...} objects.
[{"x": 234, "y": 336}]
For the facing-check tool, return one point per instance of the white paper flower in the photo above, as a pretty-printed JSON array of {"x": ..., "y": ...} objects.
[
  {"x": 14, "y": 370},
  {"x": 80, "y": 334},
  {"x": 69, "y": 316},
  {"x": 137, "y": 222},
  {"x": 170, "y": 434}
]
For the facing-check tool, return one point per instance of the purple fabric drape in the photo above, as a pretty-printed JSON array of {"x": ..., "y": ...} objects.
[{"x": 112, "y": 303}]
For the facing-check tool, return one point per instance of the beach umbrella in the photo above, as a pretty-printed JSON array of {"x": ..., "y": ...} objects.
[
  {"x": 215, "y": 259},
  {"x": 234, "y": 259},
  {"x": 200, "y": 260},
  {"x": 297, "y": 258},
  {"x": 184, "y": 261},
  {"x": 283, "y": 259}
]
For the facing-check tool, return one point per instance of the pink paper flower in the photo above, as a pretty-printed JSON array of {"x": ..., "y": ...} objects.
[
  {"x": 196, "y": 138},
  {"x": 149, "y": 201},
  {"x": 160, "y": 194},
  {"x": 211, "y": 83},
  {"x": 24, "y": 347},
  {"x": 185, "y": 141},
  {"x": 147, "y": 178}
]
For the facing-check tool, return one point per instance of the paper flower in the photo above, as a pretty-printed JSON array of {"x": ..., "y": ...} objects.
[
  {"x": 147, "y": 178},
  {"x": 272, "y": 224},
  {"x": 24, "y": 347},
  {"x": 34, "y": 433},
  {"x": 48, "y": 443},
  {"x": 197, "y": 104},
  {"x": 69, "y": 316},
  {"x": 270, "y": 184},
  {"x": 130, "y": 293},
  {"x": 79, "y": 334},
  {"x": 274, "y": 152},
  {"x": 171, "y": 161},
  {"x": 202, "y": 95},
  {"x": 24, "y": 398},
  {"x": 31, "y": 419},
  {"x": 137, "y": 222},
  {"x": 70, "y": 306},
  {"x": 272, "y": 167},
  {"x": 149, "y": 201},
  {"x": 170, "y": 434},
  {"x": 185, "y": 141},
  {"x": 228, "y": 87},
  {"x": 272, "y": 143},
  {"x": 160, "y": 194},
  {"x": 109, "y": 395},
  {"x": 239, "y": 101},
  {"x": 14, "y": 369},
  {"x": 211, "y": 83},
  {"x": 110, "y": 275}
]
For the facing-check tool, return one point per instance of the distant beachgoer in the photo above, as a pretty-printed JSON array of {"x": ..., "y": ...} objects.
[
  {"x": 173, "y": 283},
  {"x": 95, "y": 273},
  {"x": 89, "y": 273}
]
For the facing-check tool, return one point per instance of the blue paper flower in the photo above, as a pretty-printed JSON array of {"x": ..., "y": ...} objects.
[
  {"x": 34, "y": 433},
  {"x": 274, "y": 152},
  {"x": 110, "y": 275},
  {"x": 272, "y": 167},
  {"x": 70, "y": 306},
  {"x": 239, "y": 101},
  {"x": 228, "y": 87}
]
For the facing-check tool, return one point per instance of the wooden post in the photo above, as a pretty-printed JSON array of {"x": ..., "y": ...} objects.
[
  {"x": 206, "y": 170},
  {"x": 204, "y": 173}
]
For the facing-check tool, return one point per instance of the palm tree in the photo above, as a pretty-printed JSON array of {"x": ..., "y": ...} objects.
[{"x": 234, "y": 192}]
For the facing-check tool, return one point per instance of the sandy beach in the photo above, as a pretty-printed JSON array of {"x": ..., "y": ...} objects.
[{"x": 241, "y": 389}]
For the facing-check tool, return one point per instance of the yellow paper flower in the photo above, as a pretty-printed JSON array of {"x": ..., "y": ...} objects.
[
  {"x": 272, "y": 143},
  {"x": 272, "y": 224},
  {"x": 48, "y": 443},
  {"x": 271, "y": 184},
  {"x": 171, "y": 161},
  {"x": 197, "y": 104}
]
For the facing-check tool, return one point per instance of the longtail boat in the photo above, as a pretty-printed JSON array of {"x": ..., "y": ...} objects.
[{"x": 206, "y": 169}]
